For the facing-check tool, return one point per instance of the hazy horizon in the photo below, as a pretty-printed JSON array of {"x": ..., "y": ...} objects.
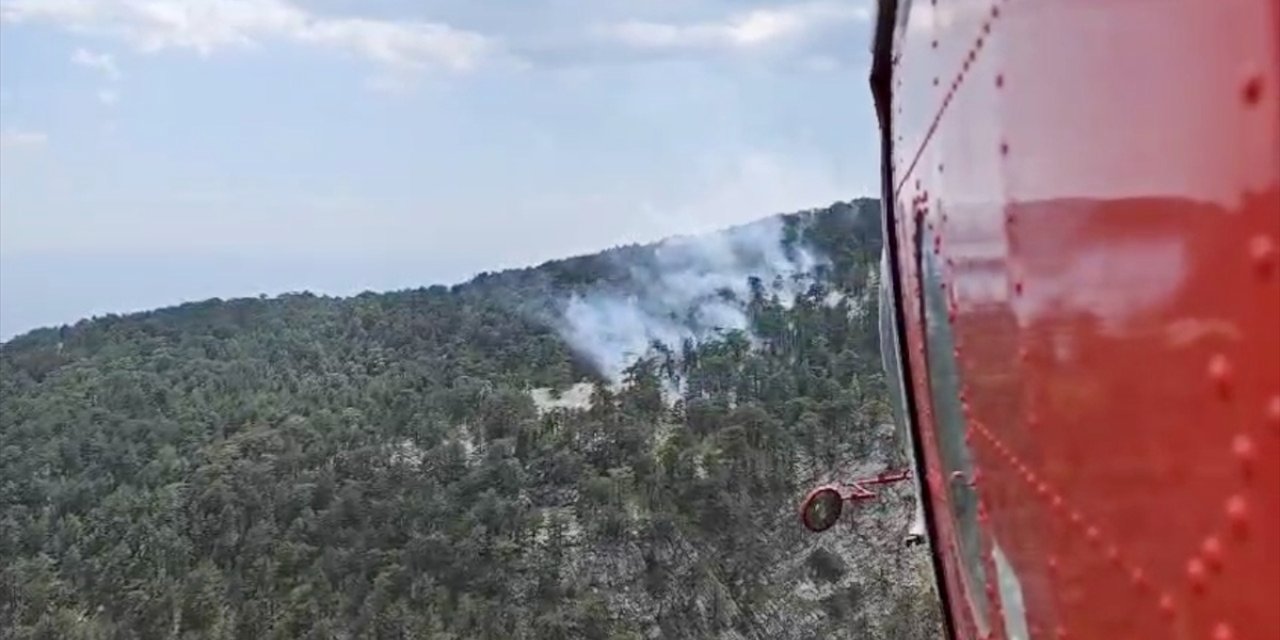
[{"x": 176, "y": 150}]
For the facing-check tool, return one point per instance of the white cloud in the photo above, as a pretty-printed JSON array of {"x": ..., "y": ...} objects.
[
  {"x": 103, "y": 62},
  {"x": 22, "y": 139},
  {"x": 207, "y": 26},
  {"x": 399, "y": 44},
  {"x": 108, "y": 97},
  {"x": 752, "y": 29}
]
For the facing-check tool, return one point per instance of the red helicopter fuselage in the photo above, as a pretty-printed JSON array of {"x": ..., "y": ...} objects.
[{"x": 1083, "y": 234}]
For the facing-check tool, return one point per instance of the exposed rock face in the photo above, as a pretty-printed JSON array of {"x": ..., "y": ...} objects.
[
  {"x": 576, "y": 397},
  {"x": 857, "y": 580}
]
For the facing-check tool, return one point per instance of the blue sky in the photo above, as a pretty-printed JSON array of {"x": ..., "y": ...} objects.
[{"x": 157, "y": 151}]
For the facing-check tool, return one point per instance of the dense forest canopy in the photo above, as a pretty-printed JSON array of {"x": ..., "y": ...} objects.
[{"x": 469, "y": 461}]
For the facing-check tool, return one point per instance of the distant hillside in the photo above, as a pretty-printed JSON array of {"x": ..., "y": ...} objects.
[{"x": 608, "y": 446}]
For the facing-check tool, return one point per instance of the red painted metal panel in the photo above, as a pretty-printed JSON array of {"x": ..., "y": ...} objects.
[{"x": 1093, "y": 188}]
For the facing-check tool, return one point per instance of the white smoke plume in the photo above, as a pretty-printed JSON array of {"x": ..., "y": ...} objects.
[{"x": 692, "y": 288}]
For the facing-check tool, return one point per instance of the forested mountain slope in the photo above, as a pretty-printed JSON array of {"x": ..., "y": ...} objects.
[{"x": 609, "y": 446}]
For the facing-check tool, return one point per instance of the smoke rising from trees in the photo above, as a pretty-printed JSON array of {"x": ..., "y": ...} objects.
[{"x": 687, "y": 289}]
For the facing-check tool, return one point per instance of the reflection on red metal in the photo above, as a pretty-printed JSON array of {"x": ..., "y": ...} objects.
[
  {"x": 1090, "y": 309},
  {"x": 821, "y": 509}
]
